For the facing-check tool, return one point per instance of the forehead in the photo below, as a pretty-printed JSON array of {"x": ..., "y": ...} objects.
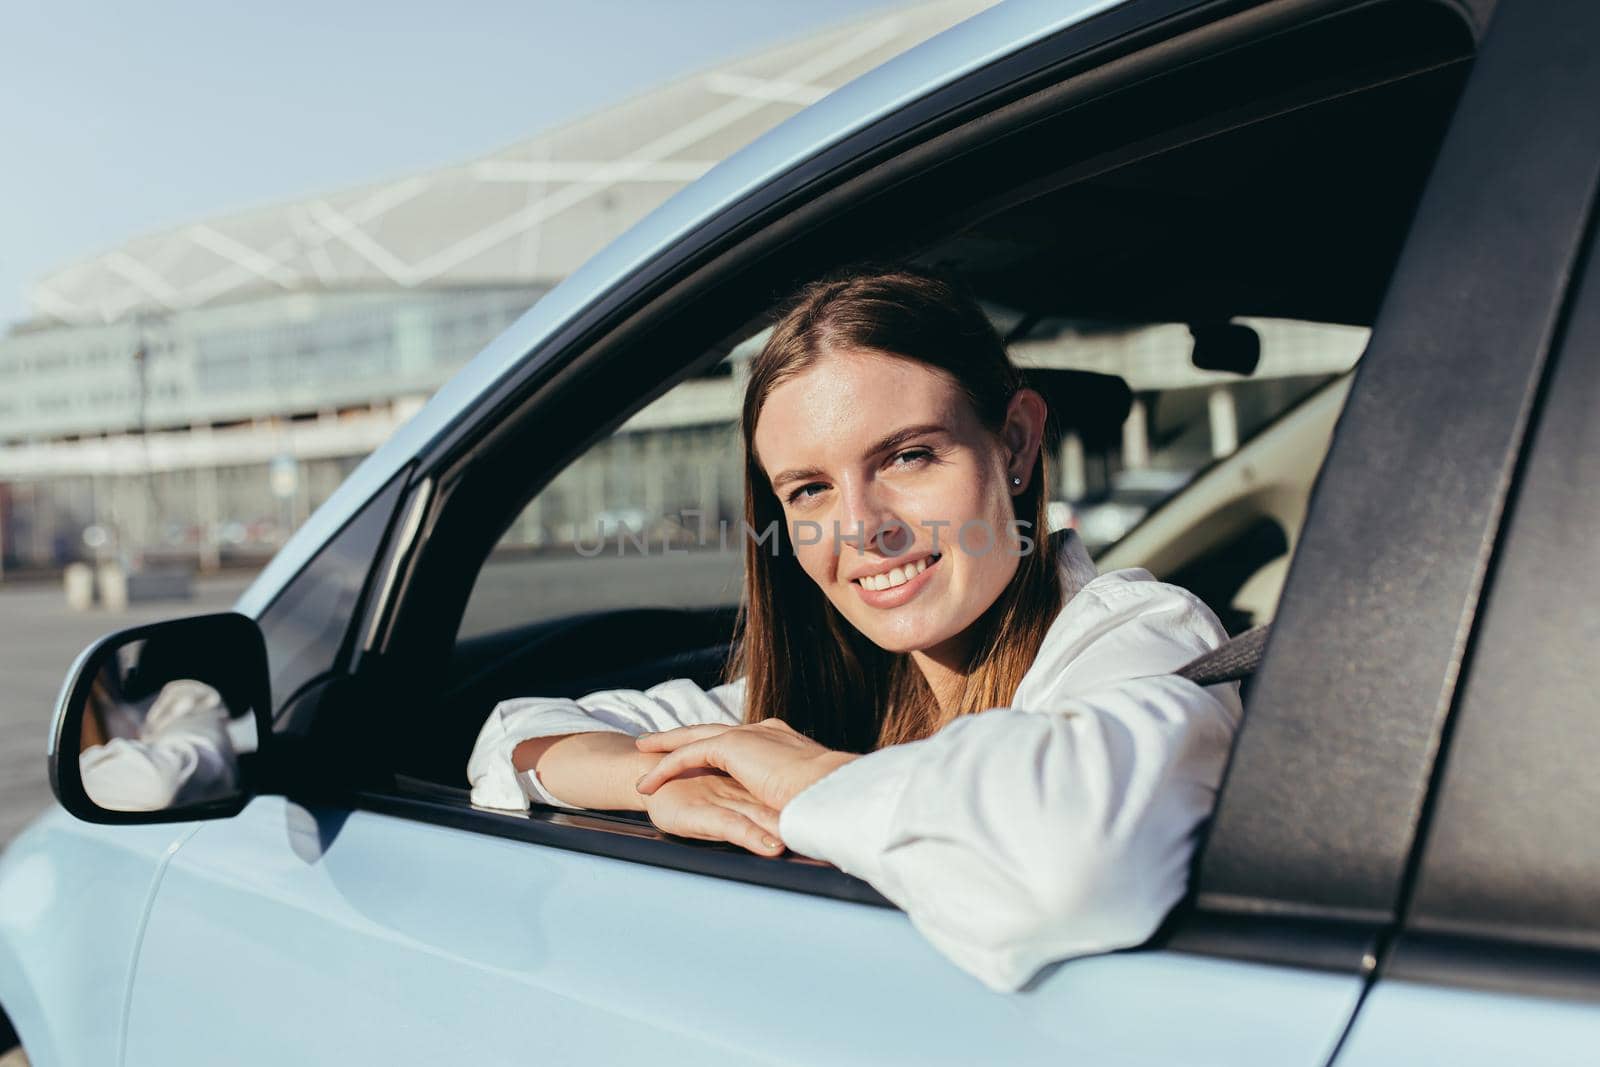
[{"x": 848, "y": 399}]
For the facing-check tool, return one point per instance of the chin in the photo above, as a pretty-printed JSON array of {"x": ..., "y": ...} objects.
[
  {"x": 913, "y": 639},
  {"x": 892, "y": 645}
]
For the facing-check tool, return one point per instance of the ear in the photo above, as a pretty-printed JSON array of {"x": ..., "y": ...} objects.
[{"x": 1023, "y": 435}]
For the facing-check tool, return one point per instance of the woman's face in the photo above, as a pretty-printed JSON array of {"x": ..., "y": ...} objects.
[{"x": 889, "y": 454}]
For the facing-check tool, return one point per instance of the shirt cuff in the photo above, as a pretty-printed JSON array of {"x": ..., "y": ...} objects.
[
  {"x": 494, "y": 779},
  {"x": 534, "y": 792},
  {"x": 846, "y": 817}
]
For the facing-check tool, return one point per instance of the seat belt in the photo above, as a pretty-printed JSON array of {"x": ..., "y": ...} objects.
[{"x": 1235, "y": 660}]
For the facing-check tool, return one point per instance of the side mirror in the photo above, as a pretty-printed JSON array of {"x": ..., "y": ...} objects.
[{"x": 164, "y": 722}]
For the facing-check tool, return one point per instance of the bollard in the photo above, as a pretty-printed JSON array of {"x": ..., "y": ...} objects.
[
  {"x": 113, "y": 586},
  {"x": 78, "y": 578}
]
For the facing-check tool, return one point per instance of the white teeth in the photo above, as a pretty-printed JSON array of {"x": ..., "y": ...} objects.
[{"x": 897, "y": 576}]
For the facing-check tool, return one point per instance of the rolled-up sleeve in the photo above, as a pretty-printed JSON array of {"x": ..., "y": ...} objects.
[
  {"x": 1059, "y": 826},
  {"x": 674, "y": 703}
]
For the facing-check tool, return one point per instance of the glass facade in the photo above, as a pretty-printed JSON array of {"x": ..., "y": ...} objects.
[{"x": 208, "y": 435}]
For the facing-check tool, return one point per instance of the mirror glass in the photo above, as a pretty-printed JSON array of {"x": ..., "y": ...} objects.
[{"x": 158, "y": 733}]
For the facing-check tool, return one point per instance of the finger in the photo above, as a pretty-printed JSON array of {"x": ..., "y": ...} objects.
[
  {"x": 711, "y": 821},
  {"x": 740, "y": 830},
  {"x": 740, "y": 799},
  {"x": 755, "y": 811},
  {"x": 667, "y": 740},
  {"x": 705, "y": 753}
]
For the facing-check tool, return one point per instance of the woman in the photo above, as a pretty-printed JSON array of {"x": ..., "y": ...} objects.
[{"x": 927, "y": 691}]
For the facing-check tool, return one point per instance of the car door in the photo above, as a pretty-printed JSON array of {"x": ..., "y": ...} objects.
[{"x": 387, "y": 920}]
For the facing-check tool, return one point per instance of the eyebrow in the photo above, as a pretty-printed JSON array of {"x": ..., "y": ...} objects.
[{"x": 884, "y": 444}]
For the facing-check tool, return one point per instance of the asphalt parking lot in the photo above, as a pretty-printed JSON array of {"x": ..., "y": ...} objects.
[{"x": 39, "y": 638}]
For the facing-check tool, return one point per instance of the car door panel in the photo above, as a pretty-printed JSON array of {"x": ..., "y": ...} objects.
[
  {"x": 364, "y": 938},
  {"x": 73, "y": 898},
  {"x": 1411, "y": 1023}
]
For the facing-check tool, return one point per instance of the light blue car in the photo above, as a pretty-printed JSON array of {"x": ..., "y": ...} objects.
[{"x": 1402, "y": 867}]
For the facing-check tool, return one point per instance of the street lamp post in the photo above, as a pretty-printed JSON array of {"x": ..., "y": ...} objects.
[{"x": 150, "y": 513}]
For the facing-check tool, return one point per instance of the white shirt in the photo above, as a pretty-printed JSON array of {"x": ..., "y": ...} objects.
[
  {"x": 182, "y": 753},
  {"x": 1059, "y": 826}
]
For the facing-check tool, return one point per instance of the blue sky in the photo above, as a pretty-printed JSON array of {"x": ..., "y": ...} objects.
[{"x": 119, "y": 118}]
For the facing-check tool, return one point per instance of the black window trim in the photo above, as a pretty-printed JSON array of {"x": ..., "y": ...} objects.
[
  {"x": 617, "y": 836},
  {"x": 374, "y": 616}
]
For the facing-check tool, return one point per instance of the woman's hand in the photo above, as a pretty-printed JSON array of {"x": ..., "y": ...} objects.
[
  {"x": 769, "y": 758},
  {"x": 711, "y": 806}
]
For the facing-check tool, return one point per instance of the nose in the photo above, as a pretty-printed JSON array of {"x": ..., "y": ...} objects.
[{"x": 867, "y": 520}]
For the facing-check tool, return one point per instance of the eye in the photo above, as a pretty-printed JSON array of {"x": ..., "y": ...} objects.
[
  {"x": 801, "y": 493},
  {"x": 914, "y": 456}
]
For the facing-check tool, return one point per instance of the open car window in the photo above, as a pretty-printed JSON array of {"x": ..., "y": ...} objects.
[
  {"x": 1221, "y": 272},
  {"x": 649, "y": 517}
]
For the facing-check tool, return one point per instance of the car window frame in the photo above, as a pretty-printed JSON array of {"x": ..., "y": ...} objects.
[{"x": 545, "y": 371}]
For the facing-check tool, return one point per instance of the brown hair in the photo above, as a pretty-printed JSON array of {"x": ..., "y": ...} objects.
[{"x": 802, "y": 661}]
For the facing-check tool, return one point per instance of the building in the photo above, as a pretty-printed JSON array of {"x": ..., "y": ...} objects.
[
  {"x": 198, "y": 391},
  {"x": 195, "y": 393}
]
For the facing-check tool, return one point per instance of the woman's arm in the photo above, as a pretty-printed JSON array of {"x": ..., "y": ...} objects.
[
  {"x": 588, "y": 770},
  {"x": 1055, "y": 828},
  {"x": 599, "y": 768},
  {"x": 591, "y": 768}
]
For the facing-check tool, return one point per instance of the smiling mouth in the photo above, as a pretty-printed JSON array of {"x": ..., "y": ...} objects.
[{"x": 898, "y": 576}]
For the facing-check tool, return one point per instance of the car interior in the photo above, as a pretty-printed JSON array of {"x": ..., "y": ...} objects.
[{"x": 1295, "y": 211}]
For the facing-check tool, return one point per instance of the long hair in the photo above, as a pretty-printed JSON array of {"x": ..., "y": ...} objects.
[{"x": 802, "y": 661}]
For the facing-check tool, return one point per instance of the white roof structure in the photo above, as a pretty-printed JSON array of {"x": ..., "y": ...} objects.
[{"x": 529, "y": 213}]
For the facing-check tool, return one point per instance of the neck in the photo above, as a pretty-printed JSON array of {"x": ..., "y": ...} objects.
[{"x": 944, "y": 668}]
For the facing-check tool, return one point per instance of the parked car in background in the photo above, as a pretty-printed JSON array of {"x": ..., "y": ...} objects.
[{"x": 1401, "y": 867}]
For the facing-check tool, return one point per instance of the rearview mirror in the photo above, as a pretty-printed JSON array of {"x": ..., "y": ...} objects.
[
  {"x": 1225, "y": 346},
  {"x": 163, "y": 722}
]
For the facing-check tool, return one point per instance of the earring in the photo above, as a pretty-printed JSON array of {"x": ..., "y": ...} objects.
[{"x": 1015, "y": 480}]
